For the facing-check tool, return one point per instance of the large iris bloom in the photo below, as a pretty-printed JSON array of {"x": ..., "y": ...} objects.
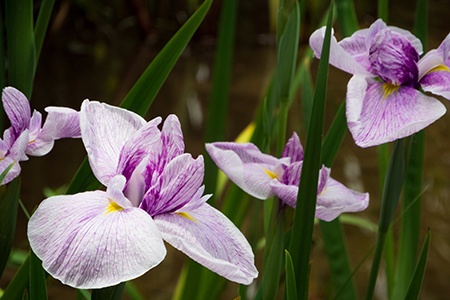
[
  {"x": 27, "y": 136},
  {"x": 385, "y": 101},
  {"x": 154, "y": 193},
  {"x": 264, "y": 176}
]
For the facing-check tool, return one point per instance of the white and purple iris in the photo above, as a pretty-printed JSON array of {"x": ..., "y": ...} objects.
[
  {"x": 264, "y": 176},
  {"x": 154, "y": 193},
  {"x": 384, "y": 97},
  {"x": 26, "y": 136}
]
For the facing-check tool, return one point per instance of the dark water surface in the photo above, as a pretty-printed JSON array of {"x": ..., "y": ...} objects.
[{"x": 84, "y": 57}]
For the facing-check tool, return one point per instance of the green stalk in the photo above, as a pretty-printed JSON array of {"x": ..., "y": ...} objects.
[
  {"x": 391, "y": 194},
  {"x": 301, "y": 235},
  {"x": 383, "y": 10}
]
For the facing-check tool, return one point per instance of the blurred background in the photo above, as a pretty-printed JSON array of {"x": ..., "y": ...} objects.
[{"x": 97, "y": 49}]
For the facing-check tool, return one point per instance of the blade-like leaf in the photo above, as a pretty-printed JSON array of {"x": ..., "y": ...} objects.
[
  {"x": 40, "y": 29},
  {"x": 16, "y": 287},
  {"x": 419, "y": 272},
  {"x": 20, "y": 45},
  {"x": 38, "y": 288},
  {"x": 9, "y": 206},
  {"x": 142, "y": 94},
  {"x": 291, "y": 288},
  {"x": 301, "y": 236}
]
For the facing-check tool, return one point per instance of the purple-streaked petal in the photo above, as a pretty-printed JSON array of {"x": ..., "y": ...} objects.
[
  {"x": 246, "y": 166},
  {"x": 336, "y": 199},
  {"x": 137, "y": 147},
  {"x": 172, "y": 137},
  {"x": 435, "y": 68},
  {"x": 293, "y": 149},
  {"x": 88, "y": 241},
  {"x": 378, "y": 113},
  {"x": 176, "y": 186},
  {"x": 209, "y": 238},
  {"x": 393, "y": 58},
  {"x": 339, "y": 57},
  {"x": 105, "y": 130},
  {"x": 437, "y": 81},
  {"x": 61, "y": 122},
  {"x": 17, "y": 108}
]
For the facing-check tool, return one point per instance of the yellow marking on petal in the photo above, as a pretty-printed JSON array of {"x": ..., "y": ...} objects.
[
  {"x": 271, "y": 174},
  {"x": 187, "y": 216},
  {"x": 440, "y": 68},
  {"x": 389, "y": 89},
  {"x": 113, "y": 207}
]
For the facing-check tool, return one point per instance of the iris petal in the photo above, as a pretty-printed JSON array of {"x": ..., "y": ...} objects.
[
  {"x": 86, "y": 244},
  {"x": 105, "y": 130},
  {"x": 336, "y": 199},
  {"x": 374, "y": 117},
  {"x": 208, "y": 237}
]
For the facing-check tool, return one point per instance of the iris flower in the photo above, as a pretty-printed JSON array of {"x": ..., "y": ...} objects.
[
  {"x": 26, "y": 136},
  {"x": 385, "y": 99},
  {"x": 154, "y": 193},
  {"x": 264, "y": 176}
]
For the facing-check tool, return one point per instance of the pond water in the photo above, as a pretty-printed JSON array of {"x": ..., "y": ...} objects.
[{"x": 83, "y": 59}]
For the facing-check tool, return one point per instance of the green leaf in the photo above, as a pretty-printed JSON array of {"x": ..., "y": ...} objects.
[
  {"x": 301, "y": 236},
  {"x": 383, "y": 10},
  {"x": 416, "y": 281},
  {"x": 346, "y": 15},
  {"x": 291, "y": 288},
  {"x": 20, "y": 45},
  {"x": 132, "y": 291},
  {"x": 17, "y": 286},
  {"x": 38, "y": 288},
  {"x": 391, "y": 194},
  {"x": 9, "y": 207},
  {"x": 141, "y": 96},
  {"x": 40, "y": 29}
]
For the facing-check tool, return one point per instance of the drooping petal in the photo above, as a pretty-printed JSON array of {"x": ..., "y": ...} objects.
[
  {"x": 176, "y": 186},
  {"x": 38, "y": 144},
  {"x": 88, "y": 241},
  {"x": 246, "y": 166},
  {"x": 17, "y": 108},
  {"x": 293, "y": 149},
  {"x": 209, "y": 238},
  {"x": 61, "y": 122},
  {"x": 13, "y": 155},
  {"x": 105, "y": 130},
  {"x": 339, "y": 57},
  {"x": 378, "y": 113},
  {"x": 336, "y": 199}
]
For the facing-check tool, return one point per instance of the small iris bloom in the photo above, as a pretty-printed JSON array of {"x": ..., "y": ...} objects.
[
  {"x": 27, "y": 136},
  {"x": 264, "y": 176},
  {"x": 385, "y": 101},
  {"x": 154, "y": 193}
]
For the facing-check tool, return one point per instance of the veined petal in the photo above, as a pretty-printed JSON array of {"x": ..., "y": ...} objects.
[
  {"x": 138, "y": 146},
  {"x": 12, "y": 173},
  {"x": 209, "y": 238},
  {"x": 105, "y": 130},
  {"x": 336, "y": 199},
  {"x": 17, "y": 108},
  {"x": 172, "y": 137},
  {"x": 339, "y": 57},
  {"x": 246, "y": 166},
  {"x": 89, "y": 241},
  {"x": 293, "y": 149},
  {"x": 61, "y": 122},
  {"x": 177, "y": 185},
  {"x": 378, "y": 113}
]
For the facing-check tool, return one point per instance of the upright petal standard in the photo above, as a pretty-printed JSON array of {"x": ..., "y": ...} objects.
[
  {"x": 154, "y": 193},
  {"x": 264, "y": 176},
  {"x": 384, "y": 97}
]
